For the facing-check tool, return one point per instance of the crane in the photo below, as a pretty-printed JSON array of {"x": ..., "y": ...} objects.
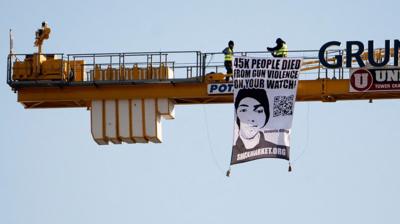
[{"x": 128, "y": 93}]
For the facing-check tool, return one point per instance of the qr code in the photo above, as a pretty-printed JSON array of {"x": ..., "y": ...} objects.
[{"x": 283, "y": 105}]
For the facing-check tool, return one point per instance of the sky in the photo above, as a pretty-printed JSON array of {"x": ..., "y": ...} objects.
[{"x": 344, "y": 154}]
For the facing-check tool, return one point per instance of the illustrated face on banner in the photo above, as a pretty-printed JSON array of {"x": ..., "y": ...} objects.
[
  {"x": 252, "y": 111},
  {"x": 251, "y": 115}
]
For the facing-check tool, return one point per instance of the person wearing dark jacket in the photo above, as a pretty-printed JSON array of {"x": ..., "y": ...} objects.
[{"x": 280, "y": 50}]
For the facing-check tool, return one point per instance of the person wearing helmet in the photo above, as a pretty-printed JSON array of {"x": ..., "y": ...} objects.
[
  {"x": 280, "y": 50},
  {"x": 228, "y": 51}
]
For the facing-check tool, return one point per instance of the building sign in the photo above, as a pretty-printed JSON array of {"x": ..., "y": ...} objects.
[
  {"x": 354, "y": 51},
  {"x": 219, "y": 88},
  {"x": 374, "y": 79},
  {"x": 264, "y": 97}
]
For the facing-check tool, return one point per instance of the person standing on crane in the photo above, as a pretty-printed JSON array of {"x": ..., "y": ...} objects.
[
  {"x": 41, "y": 35},
  {"x": 228, "y": 51},
  {"x": 280, "y": 50}
]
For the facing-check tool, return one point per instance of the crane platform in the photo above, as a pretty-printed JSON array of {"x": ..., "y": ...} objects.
[
  {"x": 128, "y": 93},
  {"x": 75, "y": 80}
]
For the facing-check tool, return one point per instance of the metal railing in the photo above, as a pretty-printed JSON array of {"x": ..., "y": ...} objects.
[
  {"x": 9, "y": 70},
  {"x": 143, "y": 60},
  {"x": 186, "y": 66}
]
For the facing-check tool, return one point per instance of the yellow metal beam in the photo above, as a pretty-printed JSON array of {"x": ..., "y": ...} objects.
[{"x": 325, "y": 90}]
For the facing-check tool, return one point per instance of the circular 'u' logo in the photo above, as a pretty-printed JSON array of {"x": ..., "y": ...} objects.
[{"x": 361, "y": 80}]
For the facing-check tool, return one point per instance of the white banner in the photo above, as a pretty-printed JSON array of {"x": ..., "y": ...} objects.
[{"x": 264, "y": 97}]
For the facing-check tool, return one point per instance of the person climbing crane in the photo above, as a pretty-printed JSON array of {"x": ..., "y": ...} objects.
[
  {"x": 280, "y": 50},
  {"x": 228, "y": 51}
]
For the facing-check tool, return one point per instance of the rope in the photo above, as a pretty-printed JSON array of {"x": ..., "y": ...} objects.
[
  {"x": 209, "y": 143},
  {"x": 209, "y": 61},
  {"x": 307, "y": 135}
]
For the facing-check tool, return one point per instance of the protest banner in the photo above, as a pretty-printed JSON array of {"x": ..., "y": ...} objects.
[{"x": 264, "y": 97}]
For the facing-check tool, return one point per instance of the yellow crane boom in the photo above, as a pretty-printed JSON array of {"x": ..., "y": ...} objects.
[{"x": 128, "y": 93}]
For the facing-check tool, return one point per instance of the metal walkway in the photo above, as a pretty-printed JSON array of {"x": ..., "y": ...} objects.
[{"x": 182, "y": 76}]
